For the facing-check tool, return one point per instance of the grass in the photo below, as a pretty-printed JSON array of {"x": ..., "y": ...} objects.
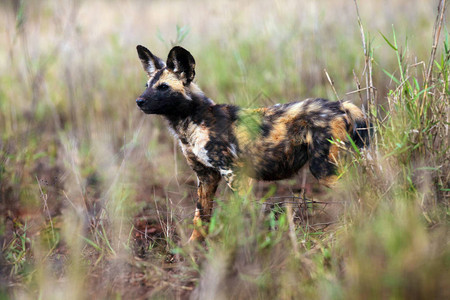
[{"x": 98, "y": 201}]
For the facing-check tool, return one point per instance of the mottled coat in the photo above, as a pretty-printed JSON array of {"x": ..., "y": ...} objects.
[{"x": 225, "y": 141}]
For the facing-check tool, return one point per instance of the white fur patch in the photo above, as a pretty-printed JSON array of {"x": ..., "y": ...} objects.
[
  {"x": 233, "y": 150},
  {"x": 202, "y": 156},
  {"x": 226, "y": 173},
  {"x": 198, "y": 137}
]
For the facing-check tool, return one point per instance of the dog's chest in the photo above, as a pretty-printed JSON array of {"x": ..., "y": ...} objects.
[{"x": 196, "y": 137}]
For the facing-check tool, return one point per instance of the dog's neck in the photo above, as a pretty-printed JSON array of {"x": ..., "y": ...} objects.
[{"x": 195, "y": 114}]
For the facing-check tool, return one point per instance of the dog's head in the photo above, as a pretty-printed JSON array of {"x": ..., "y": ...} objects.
[{"x": 169, "y": 87}]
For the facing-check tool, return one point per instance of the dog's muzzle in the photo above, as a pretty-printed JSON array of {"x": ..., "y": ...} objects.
[{"x": 140, "y": 102}]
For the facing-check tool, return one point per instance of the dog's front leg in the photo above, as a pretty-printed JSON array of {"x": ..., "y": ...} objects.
[{"x": 208, "y": 180}]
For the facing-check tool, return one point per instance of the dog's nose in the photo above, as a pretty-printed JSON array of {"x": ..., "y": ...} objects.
[{"x": 140, "y": 102}]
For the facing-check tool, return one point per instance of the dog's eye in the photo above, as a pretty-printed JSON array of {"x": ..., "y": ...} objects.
[
  {"x": 146, "y": 84},
  {"x": 163, "y": 87}
]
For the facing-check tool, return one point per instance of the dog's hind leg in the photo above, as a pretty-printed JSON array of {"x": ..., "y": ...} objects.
[
  {"x": 323, "y": 163},
  {"x": 324, "y": 170}
]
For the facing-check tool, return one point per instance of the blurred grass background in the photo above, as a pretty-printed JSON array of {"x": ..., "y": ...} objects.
[{"x": 96, "y": 199}]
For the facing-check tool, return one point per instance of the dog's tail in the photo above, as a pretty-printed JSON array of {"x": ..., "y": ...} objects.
[{"x": 360, "y": 131}]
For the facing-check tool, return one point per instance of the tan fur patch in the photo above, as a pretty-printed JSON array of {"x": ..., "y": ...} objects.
[
  {"x": 308, "y": 138},
  {"x": 339, "y": 132},
  {"x": 247, "y": 128},
  {"x": 355, "y": 112},
  {"x": 172, "y": 81},
  {"x": 338, "y": 129},
  {"x": 329, "y": 181},
  {"x": 294, "y": 110},
  {"x": 279, "y": 131},
  {"x": 262, "y": 110},
  {"x": 313, "y": 108},
  {"x": 196, "y": 90},
  {"x": 334, "y": 153}
]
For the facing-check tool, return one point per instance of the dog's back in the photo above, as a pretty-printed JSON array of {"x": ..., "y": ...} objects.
[{"x": 275, "y": 142}]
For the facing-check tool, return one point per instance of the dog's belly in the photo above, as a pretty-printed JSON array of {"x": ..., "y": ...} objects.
[{"x": 276, "y": 163}]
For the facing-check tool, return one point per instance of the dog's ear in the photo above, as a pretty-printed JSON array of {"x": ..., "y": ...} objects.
[
  {"x": 150, "y": 62},
  {"x": 182, "y": 62}
]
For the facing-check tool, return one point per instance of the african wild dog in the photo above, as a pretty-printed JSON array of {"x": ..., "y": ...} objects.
[{"x": 224, "y": 141}]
